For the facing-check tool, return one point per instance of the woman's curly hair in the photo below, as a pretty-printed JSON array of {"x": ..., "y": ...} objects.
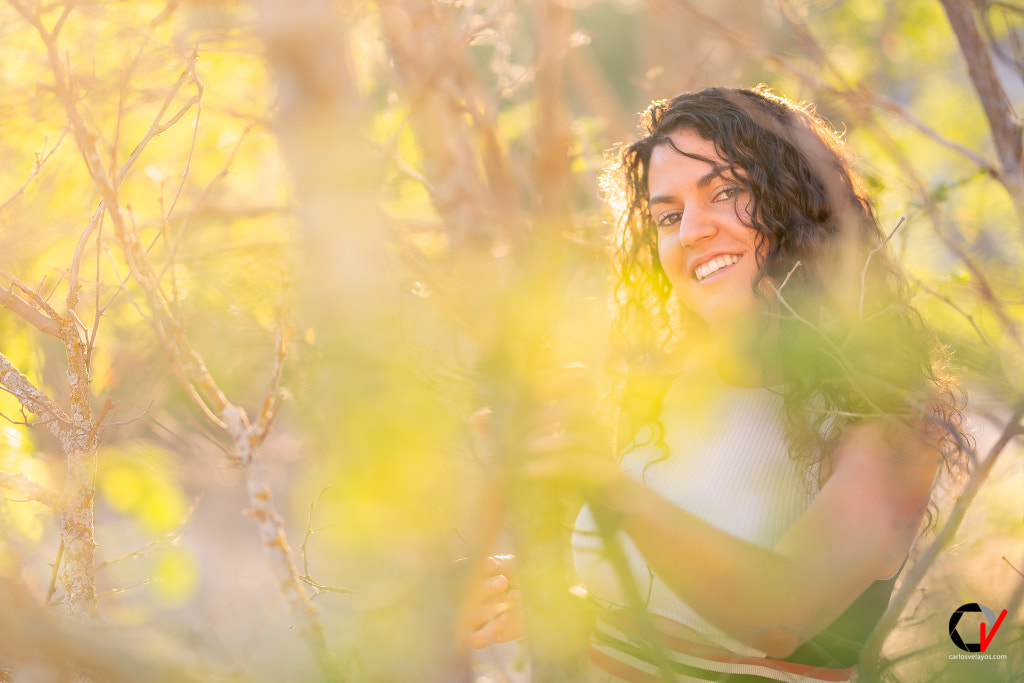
[{"x": 852, "y": 345}]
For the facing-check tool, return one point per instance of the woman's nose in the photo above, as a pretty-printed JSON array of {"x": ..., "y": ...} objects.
[{"x": 694, "y": 226}]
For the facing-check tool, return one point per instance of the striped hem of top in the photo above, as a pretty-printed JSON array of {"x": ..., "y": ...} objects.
[{"x": 624, "y": 656}]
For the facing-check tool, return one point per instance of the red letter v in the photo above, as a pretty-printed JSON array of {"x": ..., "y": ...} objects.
[{"x": 985, "y": 641}]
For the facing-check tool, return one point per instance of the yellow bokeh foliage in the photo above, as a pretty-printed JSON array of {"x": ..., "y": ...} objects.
[{"x": 139, "y": 482}]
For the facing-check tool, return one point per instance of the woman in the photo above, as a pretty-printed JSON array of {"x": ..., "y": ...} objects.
[{"x": 784, "y": 411}]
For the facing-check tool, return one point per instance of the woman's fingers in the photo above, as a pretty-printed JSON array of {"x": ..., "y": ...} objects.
[
  {"x": 504, "y": 624},
  {"x": 496, "y": 615},
  {"x": 490, "y": 592},
  {"x": 506, "y": 566},
  {"x": 580, "y": 459},
  {"x": 480, "y": 423},
  {"x": 495, "y": 596}
]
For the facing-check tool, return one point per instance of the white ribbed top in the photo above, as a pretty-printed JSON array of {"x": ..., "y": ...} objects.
[{"x": 728, "y": 464}]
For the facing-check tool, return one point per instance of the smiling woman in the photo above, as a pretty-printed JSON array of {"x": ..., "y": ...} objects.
[{"x": 783, "y": 408}]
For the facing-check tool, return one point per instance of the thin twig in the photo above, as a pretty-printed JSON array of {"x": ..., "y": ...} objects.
[
  {"x": 98, "y": 423},
  {"x": 98, "y": 310},
  {"x": 788, "y": 275},
  {"x": 37, "y": 168},
  {"x": 36, "y": 299},
  {"x": 159, "y": 125},
  {"x": 171, "y": 537},
  {"x": 272, "y": 402},
  {"x": 309, "y": 529},
  {"x": 321, "y": 588},
  {"x": 834, "y": 352},
  {"x": 131, "y": 420},
  {"x": 956, "y": 307},
  {"x": 56, "y": 571},
  {"x": 76, "y": 259},
  {"x": 198, "y": 97},
  {"x": 122, "y": 590},
  {"x": 305, "y": 577},
  {"x": 1011, "y": 566},
  {"x": 201, "y": 199},
  {"x": 867, "y": 262}
]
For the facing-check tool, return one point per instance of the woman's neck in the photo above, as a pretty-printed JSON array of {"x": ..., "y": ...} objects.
[
  {"x": 749, "y": 360},
  {"x": 743, "y": 368}
]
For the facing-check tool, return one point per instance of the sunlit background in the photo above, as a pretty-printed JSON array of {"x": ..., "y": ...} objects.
[{"x": 370, "y": 219}]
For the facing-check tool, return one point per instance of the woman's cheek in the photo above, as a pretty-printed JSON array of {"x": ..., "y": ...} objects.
[{"x": 670, "y": 255}]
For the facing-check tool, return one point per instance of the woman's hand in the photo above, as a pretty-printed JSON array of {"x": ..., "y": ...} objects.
[
  {"x": 579, "y": 456},
  {"x": 498, "y": 617},
  {"x": 565, "y": 444}
]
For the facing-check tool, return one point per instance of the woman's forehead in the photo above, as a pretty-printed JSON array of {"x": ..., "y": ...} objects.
[
  {"x": 690, "y": 143},
  {"x": 688, "y": 148}
]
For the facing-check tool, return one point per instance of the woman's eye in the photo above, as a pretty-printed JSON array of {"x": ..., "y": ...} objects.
[
  {"x": 667, "y": 220},
  {"x": 726, "y": 193}
]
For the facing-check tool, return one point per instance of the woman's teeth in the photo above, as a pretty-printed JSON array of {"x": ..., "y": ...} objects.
[{"x": 715, "y": 265}]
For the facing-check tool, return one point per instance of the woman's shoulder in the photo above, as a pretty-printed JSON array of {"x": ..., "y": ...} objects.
[{"x": 902, "y": 452}]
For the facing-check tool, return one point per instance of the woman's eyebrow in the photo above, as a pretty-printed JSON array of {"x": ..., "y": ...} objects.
[
  {"x": 702, "y": 182},
  {"x": 715, "y": 172}
]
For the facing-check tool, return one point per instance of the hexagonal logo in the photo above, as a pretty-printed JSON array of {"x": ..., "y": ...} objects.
[{"x": 965, "y": 641}]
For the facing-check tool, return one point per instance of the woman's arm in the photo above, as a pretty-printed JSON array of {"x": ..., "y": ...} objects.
[{"x": 858, "y": 529}]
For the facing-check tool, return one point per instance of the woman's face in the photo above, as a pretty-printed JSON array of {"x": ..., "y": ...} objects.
[{"x": 701, "y": 214}]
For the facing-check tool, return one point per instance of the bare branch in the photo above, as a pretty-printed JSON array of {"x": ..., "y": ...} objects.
[
  {"x": 272, "y": 532},
  {"x": 855, "y": 95},
  {"x": 97, "y": 308},
  {"x": 37, "y": 168},
  {"x": 893, "y": 107},
  {"x": 36, "y": 300},
  {"x": 29, "y": 313},
  {"x": 201, "y": 199},
  {"x": 30, "y": 489},
  {"x": 159, "y": 126},
  {"x": 33, "y": 400},
  {"x": 426, "y": 63},
  {"x": 55, "y": 31},
  {"x": 76, "y": 260},
  {"x": 272, "y": 402},
  {"x": 956, "y": 307},
  {"x": 1014, "y": 62},
  {"x": 1006, "y": 128},
  {"x": 197, "y": 101}
]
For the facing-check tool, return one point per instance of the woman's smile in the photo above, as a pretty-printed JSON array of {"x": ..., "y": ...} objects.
[{"x": 715, "y": 266}]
